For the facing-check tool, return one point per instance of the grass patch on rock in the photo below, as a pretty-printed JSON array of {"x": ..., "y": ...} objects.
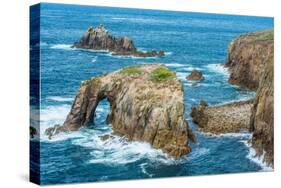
[
  {"x": 132, "y": 70},
  {"x": 162, "y": 74}
]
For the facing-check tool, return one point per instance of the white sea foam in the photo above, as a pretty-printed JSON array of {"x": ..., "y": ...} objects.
[
  {"x": 218, "y": 68},
  {"x": 259, "y": 160},
  {"x": 60, "y": 99},
  {"x": 177, "y": 65},
  {"x": 50, "y": 116},
  {"x": 181, "y": 75},
  {"x": 94, "y": 59},
  {"x": 62, "y": 46}
]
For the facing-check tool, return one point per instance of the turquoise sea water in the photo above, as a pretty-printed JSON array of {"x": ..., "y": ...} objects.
[{"x": 190, "y": 40}]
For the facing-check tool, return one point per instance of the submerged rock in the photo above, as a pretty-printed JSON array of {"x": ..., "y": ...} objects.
[
  {"x": 226, "y": 118},
  {"x": 195, "y": 75},
  {"x": 146, "y": 105},
  {"x": 100, "y": 39},
  {"x": 247, "y": 56}
]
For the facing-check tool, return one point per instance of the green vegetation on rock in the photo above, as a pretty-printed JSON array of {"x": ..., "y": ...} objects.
[
  {"x": 132, "y": 70},
  {"x": 162, "y": 74}
]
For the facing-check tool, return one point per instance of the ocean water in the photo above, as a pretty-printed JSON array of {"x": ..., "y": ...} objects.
[{"x": 190, "y": 40}]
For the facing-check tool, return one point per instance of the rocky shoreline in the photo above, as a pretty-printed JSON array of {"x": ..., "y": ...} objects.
[
  {"x": 100, "y": 39},
  {"x": 146, "y": 105},
  {"x": 250, "y": 63}
]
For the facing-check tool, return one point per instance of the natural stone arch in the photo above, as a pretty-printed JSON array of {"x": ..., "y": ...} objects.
[{"x": 141, "y": 109}]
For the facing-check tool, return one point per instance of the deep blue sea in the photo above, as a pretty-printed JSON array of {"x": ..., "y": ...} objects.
[{"x": 190, "y": 40}]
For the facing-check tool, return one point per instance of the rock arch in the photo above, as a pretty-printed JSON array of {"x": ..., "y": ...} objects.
[{"x": 141, "y": 109}]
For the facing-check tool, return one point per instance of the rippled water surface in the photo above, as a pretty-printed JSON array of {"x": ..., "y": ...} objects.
[{"x": 191, "y": 40}]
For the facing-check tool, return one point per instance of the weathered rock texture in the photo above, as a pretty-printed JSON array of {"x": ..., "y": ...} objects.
[
  {"x": 251, "y": 63},
  {"x": 232, "y": 117},
  {"x": 195, "y": 75},
  {"x": 146, "y": 105},
  {"x": 247, "y": 56},
  {"x": 262, "y": 119},
  {"x": 100, "y": 39}
]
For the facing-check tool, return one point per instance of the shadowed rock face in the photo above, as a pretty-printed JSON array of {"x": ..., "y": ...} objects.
[
  {"x": 232, "y": 117},
  {"x": 146, "y": 105},
  {"x": 247, "y": 56},
  {"x": 100, "y": 39}
]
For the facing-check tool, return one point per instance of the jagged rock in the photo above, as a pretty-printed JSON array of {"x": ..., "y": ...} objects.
[
  {"x": 100, "y": 39},
  {"x": 195, "y": 75},
  {"x": 262, "y": 119},
  {"x": 146, "y": 105},
  {"x": 247, "y": 56},
  {"x": 251, "y": 64},
  {"x": 232, "y": 117}
]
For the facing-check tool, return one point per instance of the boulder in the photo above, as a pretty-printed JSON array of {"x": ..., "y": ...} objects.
[
  {"x": 195, "y": 75},
  {"x": 146, "y": 105},
  {"x": 100, "y": 39}
]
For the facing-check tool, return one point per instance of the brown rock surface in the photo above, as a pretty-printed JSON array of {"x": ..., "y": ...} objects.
[
  {"x": 195, "y": 75},
  {"x": 100, "y": 39},
  {"x": 146, "y": 105},
  {"x": 232, "y": 117},
  {"x": 247, "y": 56},
  {"x": 251, "y": 63},
  {"x": 262, "y": 119}
]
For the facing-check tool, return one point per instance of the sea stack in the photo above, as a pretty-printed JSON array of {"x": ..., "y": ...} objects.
[
  {"x": 195, "y": 75},
  {"x": 146, "y": 105},
  {"x": 99, "y": 38}
]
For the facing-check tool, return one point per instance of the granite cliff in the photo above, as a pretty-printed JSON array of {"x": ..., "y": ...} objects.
[
  {"x": 146, "y": 105},
  {"x": 100, "y": 39},
  {"x": 251, "y": 66},
  {"x": 247, "y": 56}
]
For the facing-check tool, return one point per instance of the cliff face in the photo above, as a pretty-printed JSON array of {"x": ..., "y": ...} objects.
[
  {"x": 251, "y": 64},
  {"x": 146, "y": 105},
  {"x": 262, "y": 119},
  {"x": 247, "y": 56},
  {"x": 232, "y": 117},
  {"x": 100, "y": 39}
]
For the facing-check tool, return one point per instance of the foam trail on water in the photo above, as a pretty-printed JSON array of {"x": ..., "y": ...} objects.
[
  {"x": 60, "y": 99},
  {"x": 62, "y": 46},
  {"x": 218, "y": 68},
  {"x": 259, "y": 160},
  {"x": 177, "y": 65},
  {"x": 95, "y": 59}
]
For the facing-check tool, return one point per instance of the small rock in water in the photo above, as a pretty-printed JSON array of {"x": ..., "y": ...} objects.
[{"x": 195, "y": 75}]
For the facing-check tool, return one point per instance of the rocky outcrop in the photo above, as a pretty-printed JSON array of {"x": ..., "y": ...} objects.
[
  {"x": 100, "y": 39},
  {"x": 195, "y": 75},
  {"x": 262, "y": 119},
  {"x": 250, "y": 62},
  {"x": 247, "y": 56},
  {"x": 146, "y": 105},
  {"x": 232, "y": 117}
]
